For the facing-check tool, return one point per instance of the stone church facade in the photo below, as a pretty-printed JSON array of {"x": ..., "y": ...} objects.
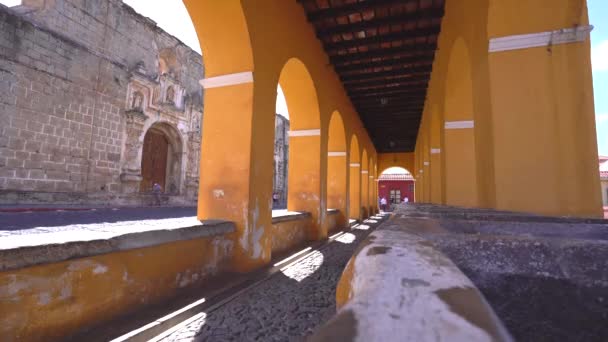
[{"x": 97, "y": 103}]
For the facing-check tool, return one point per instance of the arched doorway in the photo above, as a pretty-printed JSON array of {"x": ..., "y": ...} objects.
[
  {"x": 354, "y": 197},
  {"x": 396, "y": 185},
  {"x": 161, "y": 160},
  {"x": 337, "y": 167},
  {"x": 304, "y": 166}
]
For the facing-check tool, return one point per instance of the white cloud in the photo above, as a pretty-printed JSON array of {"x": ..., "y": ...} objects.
[
  {"x": 601, "y": 117},
  {"x": 599, "y": 56}
]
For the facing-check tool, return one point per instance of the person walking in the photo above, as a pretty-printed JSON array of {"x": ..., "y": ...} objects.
[
  {"x": 383, "y": 203},
  {"x": 156, "y": 190}
]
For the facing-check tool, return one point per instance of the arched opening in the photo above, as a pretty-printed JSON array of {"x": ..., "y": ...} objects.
[
  {"x": 395, "y": 185},
  {"x": 354, "y": 197},
  {"x": 337, "y": 167},
  {"x": 459, "y": 134},
  {"x": 280, "y": 161},
  {"x": 364, "y": 185},
  {"x": 304, "y": 166},
  {"x": 370, "y": 187},
  {"x": 161, "y": 159}
]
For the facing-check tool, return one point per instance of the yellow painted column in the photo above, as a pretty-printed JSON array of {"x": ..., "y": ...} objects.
[
  {"x": 337, "y": 168},
  {"x": 226, "y": 182},
  {"x": 370, "y": 191},
  {"x": 545, "y": 149},
  {"x": 459, "y": 130},
  {"x": 304, "y": 180},
  {"x": 426, "y": 164},
  {"x": 435, "y": 159},
  {"x": 232, "y": 171},
  {"x": 364, "y": 194},
  {"x": 355, "y": 192}
]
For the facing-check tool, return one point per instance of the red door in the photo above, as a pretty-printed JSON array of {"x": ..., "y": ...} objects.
[{"x": 154, "y": 160}]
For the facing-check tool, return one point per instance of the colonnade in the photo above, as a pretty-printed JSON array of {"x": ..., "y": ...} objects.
[{"x": 508, "y": 121}]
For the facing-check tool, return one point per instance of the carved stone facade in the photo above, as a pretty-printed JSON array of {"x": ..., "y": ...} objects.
[
  {"x": 82, "y": 83},
  {"x": 281, "y": 158}
]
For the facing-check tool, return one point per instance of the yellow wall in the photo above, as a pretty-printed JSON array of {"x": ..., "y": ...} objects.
[
  {"x": 404, "y": 160},
  {"x": 289, "y": 234},
  {"x": 236, "y": 177},
  {"x": 533, "y": 145},
  {"x": 49, "y": 302}
]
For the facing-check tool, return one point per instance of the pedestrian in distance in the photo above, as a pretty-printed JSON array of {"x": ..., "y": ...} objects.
[
  {"x": 156, "y": 190},
  {"x": 383, "y": 203}
]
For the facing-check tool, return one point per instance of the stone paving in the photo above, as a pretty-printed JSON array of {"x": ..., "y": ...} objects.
[{"x": 287, "y": 306}]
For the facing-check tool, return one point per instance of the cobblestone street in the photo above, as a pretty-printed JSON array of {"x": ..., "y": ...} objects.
[{"x": 287, "y": 306}]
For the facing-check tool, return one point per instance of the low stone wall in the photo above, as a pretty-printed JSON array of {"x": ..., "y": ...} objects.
[
  {"x": 397, "y": 287},
  {"x": 332, "y": 218},
  {"x": 289, "y": 230},
  {"x": 417, "y": 278},
  {"x": 48, "y": 292}
]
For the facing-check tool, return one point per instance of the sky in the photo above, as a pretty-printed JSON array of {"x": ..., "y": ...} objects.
[
  {"x": 171, "y": 15},
  {"x": 598, "y": 17}
]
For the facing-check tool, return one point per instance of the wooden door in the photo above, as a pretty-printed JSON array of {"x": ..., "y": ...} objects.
[{"x": 154, "y": 160}]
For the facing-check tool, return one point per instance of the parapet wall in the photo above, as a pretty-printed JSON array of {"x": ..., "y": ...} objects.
[
  {"x": 430, "y": 272},
  {"x": 50, "y": 291}
]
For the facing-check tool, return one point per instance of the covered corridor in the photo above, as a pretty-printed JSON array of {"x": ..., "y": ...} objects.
[
  {"x": 476, "y": 97},
  {"x": 487, "y": 102}
]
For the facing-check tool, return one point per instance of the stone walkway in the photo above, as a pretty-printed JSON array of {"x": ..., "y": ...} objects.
[{"x": 287, "y": 306}]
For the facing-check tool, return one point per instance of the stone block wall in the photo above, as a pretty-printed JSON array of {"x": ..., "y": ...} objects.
[
  {"x": 60, "y": 126},
  {"x": 81, "y": 83}
]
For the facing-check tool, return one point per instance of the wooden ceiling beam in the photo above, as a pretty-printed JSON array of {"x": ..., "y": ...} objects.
[
  {"x": 383, "y": 38},
  {"x": 410, "y": 18},
  {"x": 384, "y": 63},
  {"x": 421, "y": 70},
  {"x": 415, "y": 87},
  {"x": 402, "y": 51},
  {"x": 402, "y": 80},
  {"x": 353, "y": 8}
]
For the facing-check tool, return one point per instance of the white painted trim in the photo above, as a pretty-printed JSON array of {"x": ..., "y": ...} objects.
[
  {"x": 427, "y": 163},
  {"x": 355, "y": 165},
  {"x": 547, "y": 38},
  {"x": 435, "y": 150},
  {"x": 364, "y": 171},
  {"x": 227, "y": 80},
  {"x": 459, "y": 124},
  {"x": 305, "y": 133},
  {"x": 336, "y": 154}
]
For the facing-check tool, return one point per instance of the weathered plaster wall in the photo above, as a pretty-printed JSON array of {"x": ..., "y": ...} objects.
[
  {"x": 332, "y": 219},
  {"x": 290, "y": 233},
  {"x": 237, "y": 39},
  {"x": 51, "y": 301}
]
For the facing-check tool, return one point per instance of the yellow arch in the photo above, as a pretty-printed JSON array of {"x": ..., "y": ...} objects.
[
  {"x": 354, "y": 197},
  {"x": 300, "y": 95},
  {"x": 337, "y": 168},
  {"x": 224, "y": 36}
]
